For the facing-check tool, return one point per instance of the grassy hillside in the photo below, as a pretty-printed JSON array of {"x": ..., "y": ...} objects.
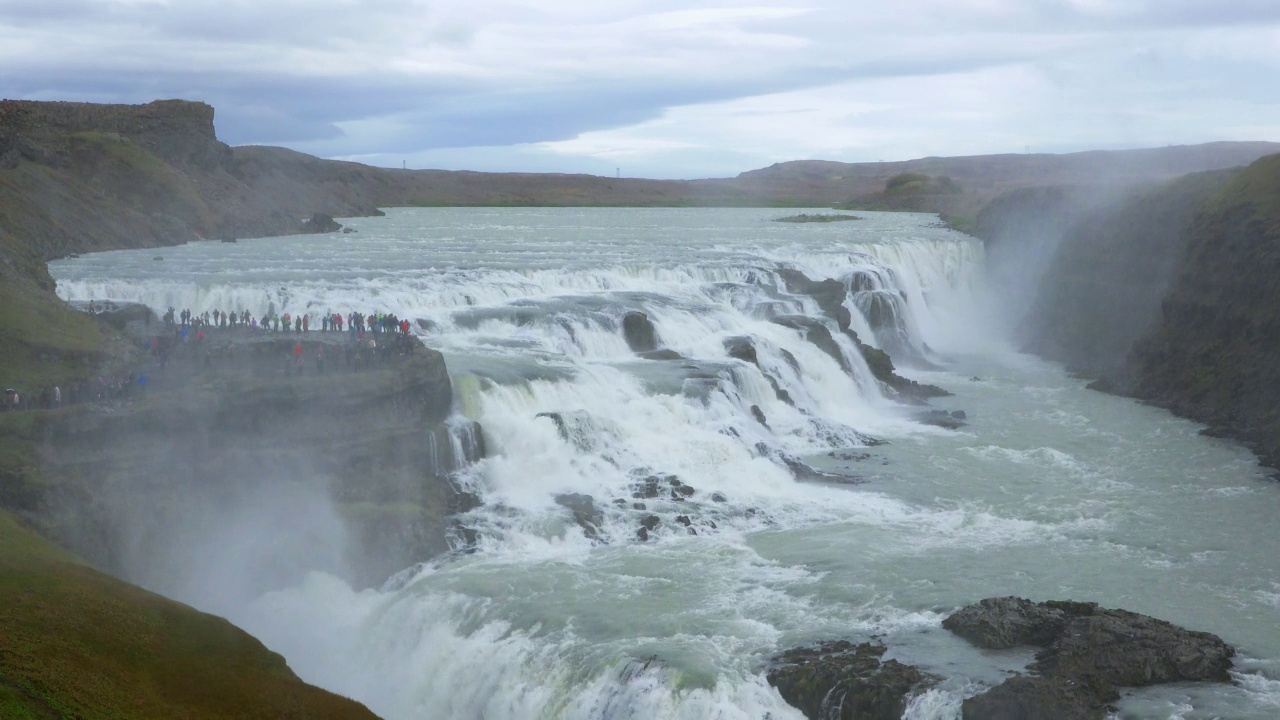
[{"x": 75, "y": 643}]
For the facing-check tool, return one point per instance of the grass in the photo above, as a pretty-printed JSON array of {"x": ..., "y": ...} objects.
[
  {"x": 43, "y": 341},
  {"x": 136, "y": 178},
  {"x": 75, "y": 643}
]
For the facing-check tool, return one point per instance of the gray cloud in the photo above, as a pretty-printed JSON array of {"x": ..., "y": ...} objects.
[{"x": 402, "y": 78}]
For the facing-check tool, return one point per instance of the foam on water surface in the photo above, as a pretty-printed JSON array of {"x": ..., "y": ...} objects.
[{"x": 1050, "y": 491}]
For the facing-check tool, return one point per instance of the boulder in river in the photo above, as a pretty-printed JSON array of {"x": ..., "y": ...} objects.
[
  {"x": 942, "y": 418},
  {"x": 585, "y": 512},
  {"x": 661, "y": 354},
  {"x": 842, "y": 681},
  {"x": 639, "y": 331},
  {"x": 320, "y": 223},
  {"x": 1089, "y": 652}
]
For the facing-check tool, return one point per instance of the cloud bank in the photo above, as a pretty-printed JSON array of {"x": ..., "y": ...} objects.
[{"x": 661, "y": 88}]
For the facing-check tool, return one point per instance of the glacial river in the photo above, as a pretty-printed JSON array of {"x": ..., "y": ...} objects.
[{"x": 1050, "y": 491}]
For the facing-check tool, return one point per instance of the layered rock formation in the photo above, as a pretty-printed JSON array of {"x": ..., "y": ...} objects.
[
  {"x": 1168, "y": 294},
  {"x": 1212, "y": 355},
  {"x": 234, "y": 425}
]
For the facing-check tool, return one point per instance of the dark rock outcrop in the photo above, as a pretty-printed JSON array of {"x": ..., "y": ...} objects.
[
  {"x": 661, "y": 354},
  {"x": 1168, "y": 294},
  {"x": 638, "y": 329},
  {"x": 842, "y": 681},
  {"x": 1088, "y": 653},
  {"x": 744, "y": 349},
  {"x": 320, "y": 223},
  {"x": 828, "y": 293},
  {"x": 224, "y": 430},
  {"x": 585, "y": 512},
  {"x": 830, "y": 296},
  {"x": 942, "y": 418},
  {"x": 816, "y": 332},
  {"x": 1211, "y": 356}
]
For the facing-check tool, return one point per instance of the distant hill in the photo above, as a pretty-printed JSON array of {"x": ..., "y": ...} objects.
[
  {"x": 76, "y": 177},
  {"x": 981, "y": 178}
]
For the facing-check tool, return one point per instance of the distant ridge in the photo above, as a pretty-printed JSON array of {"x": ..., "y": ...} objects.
[{"x": 78, "y": 177}]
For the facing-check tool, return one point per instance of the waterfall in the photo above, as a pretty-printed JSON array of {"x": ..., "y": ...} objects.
[{"x": 610, "y": 572}]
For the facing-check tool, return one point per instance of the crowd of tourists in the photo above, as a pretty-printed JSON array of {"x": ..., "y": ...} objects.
[
  {"x": 354, "y": 322},
  {"x": 102, "y": 389},
  {"x": 373, "y": 338}
]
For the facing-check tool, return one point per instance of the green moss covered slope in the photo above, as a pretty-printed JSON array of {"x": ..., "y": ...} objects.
[{"x": 77, "y": 643}]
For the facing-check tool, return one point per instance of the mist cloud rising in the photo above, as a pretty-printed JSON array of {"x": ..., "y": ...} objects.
[{"x": 666, "y": 89}]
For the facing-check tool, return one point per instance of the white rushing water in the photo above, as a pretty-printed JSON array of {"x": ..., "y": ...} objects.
[{"x": 1051, "y": 491}]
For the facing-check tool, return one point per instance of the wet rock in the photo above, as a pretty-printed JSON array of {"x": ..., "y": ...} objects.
[
  {"x": 648, "y": 488},
  {"x": 758, "y": 414},
  {"x": 461, "y": 538},
  {"x": 1038, "y": 698},
  {"x": 842, "y": 681},
  {"x": 828, "y": 293},
  {"x": 940, "y": 418},
  {"x": 790, "y": 359},
  {"x": 684, "y": 520},
  {"x": 1002, "y": 623},
  {"x": 742, "y": 348},
  {"x": 639, "y": 506},
  {"x": 119, "y": 315},
  {"x": 320, "y": 223},
  {"x": 426, "y": 324},
  {"x": 638, "y": 329},
  {"x": 585, "y": 512},
  {"x": 781, "y": 394},
  {"x": 801, "y": 470},
  {"x": 656, "y": 485},
  {"x": 816, "y": 332},
  {"x": 959, "y": 414},
  {"x": 661, "y": 354},
  {"x": 648, "y": 524},
  {"x": 1089, "y": 652},
  {"x": 718, "y": 497},
  {"x": 558, "y": 419},
  {"x": 882, "y": 367},
  {"x": 461, "y": 501},
  {"x": 679, "y": 490},
  {"x": 849, "y": 456}
]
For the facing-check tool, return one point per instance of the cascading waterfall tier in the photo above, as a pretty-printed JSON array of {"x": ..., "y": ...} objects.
[{"x": 650, "y": 525}]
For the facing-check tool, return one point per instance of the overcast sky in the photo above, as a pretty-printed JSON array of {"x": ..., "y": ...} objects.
[{"x": 662, "y": 88}]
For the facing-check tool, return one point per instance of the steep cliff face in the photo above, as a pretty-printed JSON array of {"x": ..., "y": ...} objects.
[
  {"x": 1109, "y": 273},
  {"x": 232, "y": 455},
  {"x": 78, "y": 177},
  {"x": 176, "y": 131},
  {"x": 1170, "y": 294},
  {"x": 1213, "y": 355}
]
